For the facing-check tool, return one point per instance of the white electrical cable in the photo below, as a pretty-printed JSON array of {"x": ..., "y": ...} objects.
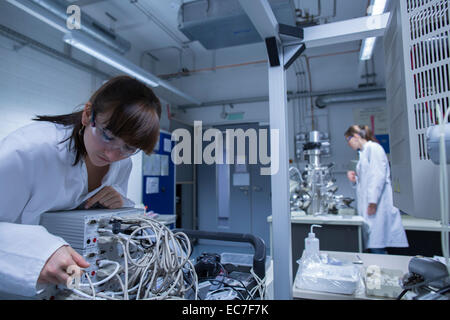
[
  {"x": 125, "y": 291},
  {"x": 154, "y": 270},
  {"x": 101, "y": 263},
  {"x": 260, "y": 286},
  {"x": 82, "y": 294},
  {"x": 91, "y": 285}
]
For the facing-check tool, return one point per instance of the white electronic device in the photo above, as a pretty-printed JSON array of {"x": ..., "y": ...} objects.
[
  {"x": 434, "y": 140},
  {"x": 80, "y": 228}
]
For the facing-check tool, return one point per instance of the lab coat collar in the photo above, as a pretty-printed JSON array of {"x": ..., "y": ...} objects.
[
  {"x": 107, "y": 180},
  {"x": 364, "y": 146},
  {"x": 64, "y": 143},
  {"x": 68, "y": 151}
]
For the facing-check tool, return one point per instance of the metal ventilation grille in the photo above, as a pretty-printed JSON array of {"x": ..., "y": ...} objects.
[
  {"x": 414, "y": 4},
  {"x": 430, "y": 59}
]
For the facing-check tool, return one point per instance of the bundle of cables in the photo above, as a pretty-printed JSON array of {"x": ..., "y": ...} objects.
[
  {"x": 223, "y": 285},
  {"x": 154, "y": 263}
]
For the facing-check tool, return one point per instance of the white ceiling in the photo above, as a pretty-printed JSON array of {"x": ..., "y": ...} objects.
[
  {"x": 145, "y": 34},
  {"x": 332, "y": 67}
]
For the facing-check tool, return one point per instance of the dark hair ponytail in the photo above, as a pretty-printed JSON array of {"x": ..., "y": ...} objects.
[
  {"x": 76, "y": 138},
  {"x": 363, "y": 131}
]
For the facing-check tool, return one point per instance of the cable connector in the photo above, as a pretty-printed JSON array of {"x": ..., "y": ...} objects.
[
  {"x": 116, "y": 225},
  {"x": 107, "y": 270},
  {"x": 105, "y": 240}
]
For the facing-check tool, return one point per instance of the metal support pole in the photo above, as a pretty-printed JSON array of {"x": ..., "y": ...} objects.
[
  {"x": 281, "y": 214},
  {"x": 262, "y": 17}
]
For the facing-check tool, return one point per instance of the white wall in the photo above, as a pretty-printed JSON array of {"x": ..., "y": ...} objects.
[{"x": 32, "y": 82}]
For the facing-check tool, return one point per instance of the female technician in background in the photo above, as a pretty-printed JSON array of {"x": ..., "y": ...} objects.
[
  {"x": 65, "y": 162},
  {"x": 383, "y": 225}
]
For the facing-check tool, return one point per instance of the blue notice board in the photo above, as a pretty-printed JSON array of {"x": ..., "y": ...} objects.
[
  {"x": 158, "y": 189},
  {"x": 383, "y": 139}
]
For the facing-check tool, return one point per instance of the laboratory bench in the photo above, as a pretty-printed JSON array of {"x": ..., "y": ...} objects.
[
  {"x": 344, "y": 233},
  {"x": 365, "y": 260},
  {"x": 424, "y": 237}
]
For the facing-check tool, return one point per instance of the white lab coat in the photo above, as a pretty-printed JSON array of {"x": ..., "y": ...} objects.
[
  {"x": 37, "y": 175},
  {"x": 384, "y": 228}
]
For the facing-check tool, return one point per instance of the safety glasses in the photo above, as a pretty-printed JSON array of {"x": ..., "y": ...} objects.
[{"x": 105, "y": 138}]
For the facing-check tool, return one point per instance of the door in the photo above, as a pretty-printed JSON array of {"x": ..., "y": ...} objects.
[{"x": 234, "y": 196}]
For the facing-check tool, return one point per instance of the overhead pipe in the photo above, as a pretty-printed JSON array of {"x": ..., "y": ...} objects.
[
  {"x": 323, "y": 101},
  {"x": 374, "y": 94},
  {"x": 58, "y": 8},
  {"x": 313, "y": 18}
]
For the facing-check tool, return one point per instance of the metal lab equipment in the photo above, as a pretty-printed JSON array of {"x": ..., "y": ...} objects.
[{"x": 314, "y": 190}]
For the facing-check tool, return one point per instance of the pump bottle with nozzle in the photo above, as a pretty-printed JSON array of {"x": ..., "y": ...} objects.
[{"x": 311, "y": 242}]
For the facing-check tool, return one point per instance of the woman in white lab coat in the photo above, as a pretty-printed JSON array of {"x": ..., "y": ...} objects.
[
  {"x": 383, "y": 226},
  {"x": 66, "y": 162}
]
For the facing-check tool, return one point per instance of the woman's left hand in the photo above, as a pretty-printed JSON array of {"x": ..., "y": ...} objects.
[
  {"x": 107, "y": 197},
  {"x": 372, "y": 209}
]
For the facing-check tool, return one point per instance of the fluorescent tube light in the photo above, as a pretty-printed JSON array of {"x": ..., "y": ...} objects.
[
  {"x": 376, "y": 7},
  {"x": 108, "y": 56},
  {"x": 367, "y": 48}
]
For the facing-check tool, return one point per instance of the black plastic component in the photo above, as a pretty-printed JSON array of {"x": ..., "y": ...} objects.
[
  {"x": 116, "y": 226},
  {"x": 425, "y": 272},
  {"x": 291, "y": 58},
  {"x": 207, "y": 265},
  {"x": 347, "y": 201},
  {"x": 259, "y": 257},
  {"x": 311, "y": 145},
  {"x": 272, "y": 51},
  {"x": 291, "y": 31}
]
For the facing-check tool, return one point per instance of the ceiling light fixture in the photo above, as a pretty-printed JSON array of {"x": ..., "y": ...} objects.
[
  {"x": 106, "y": 55},
  {"x": 367, "y": 48},
  {"x": 376, "y": 7}
]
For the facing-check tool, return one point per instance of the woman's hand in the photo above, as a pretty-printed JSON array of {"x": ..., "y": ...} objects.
[
  {"x": 351, "y": 175},
  {"x": 372, "y": 209},
  {"x": 107, "y": 197},
  {"x": 55, "y": 270}
]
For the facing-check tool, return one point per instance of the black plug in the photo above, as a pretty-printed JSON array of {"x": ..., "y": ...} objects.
[{"x": 116, "y": 226}]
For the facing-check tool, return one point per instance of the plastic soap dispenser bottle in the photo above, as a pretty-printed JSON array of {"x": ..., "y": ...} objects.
[{"x": 311, "y": 242}]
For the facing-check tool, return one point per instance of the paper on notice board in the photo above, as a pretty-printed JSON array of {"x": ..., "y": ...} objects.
[
  {"x": 167, "y": 145},
  {"x": 151, "y": 185},
  {"x": 164, "y": 165},
  {"x": 152, "y": 165}
]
